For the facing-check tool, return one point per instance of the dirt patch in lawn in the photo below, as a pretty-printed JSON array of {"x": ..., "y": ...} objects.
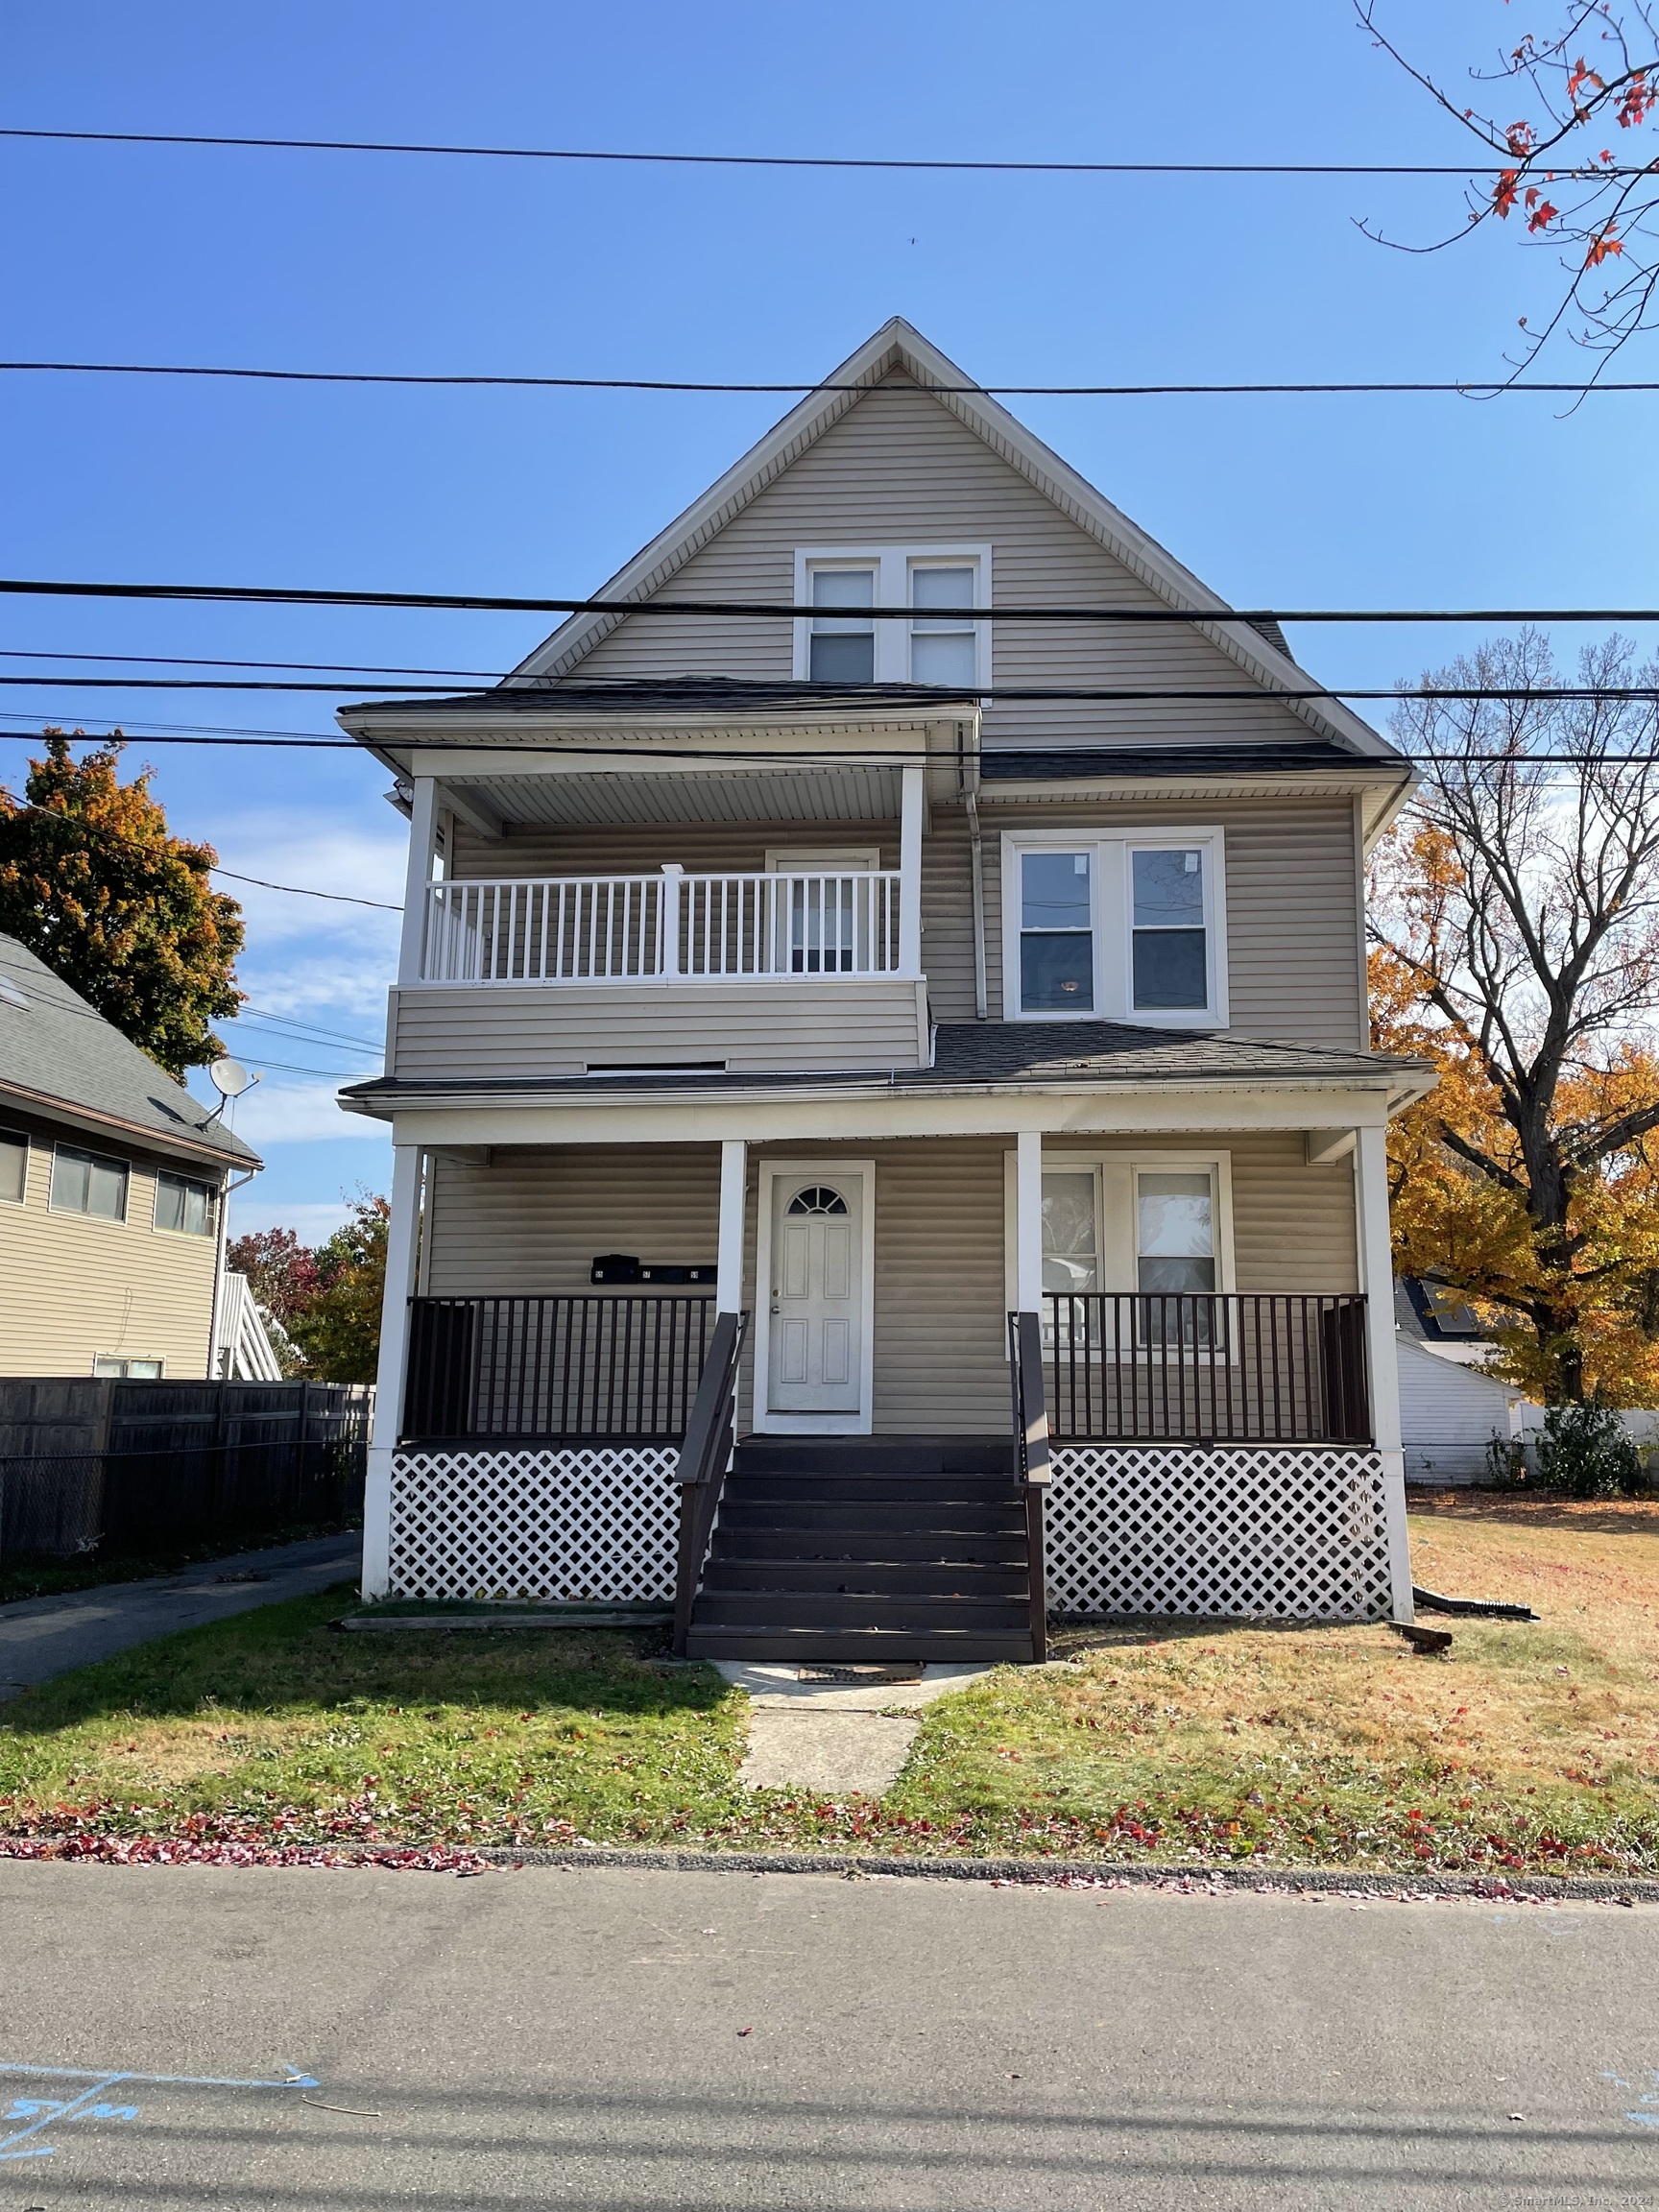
[{"x": 1531, "y": 1745}]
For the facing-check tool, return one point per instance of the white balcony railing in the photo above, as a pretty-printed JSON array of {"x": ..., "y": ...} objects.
[{"x": 665, "y": 928}]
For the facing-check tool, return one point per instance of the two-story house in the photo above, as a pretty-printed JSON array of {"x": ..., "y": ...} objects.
[
  {"x": 113, "y": 1189},
  {"x": 909, "y": 1030}
]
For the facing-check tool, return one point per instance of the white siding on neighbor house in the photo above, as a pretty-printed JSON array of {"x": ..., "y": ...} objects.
[
  {"x": 1448, "y": 1414},
  {"x": 533, "y": 1220},
  {"x": 900, "y": 469},
  {"x": 74, "y": 1288}
]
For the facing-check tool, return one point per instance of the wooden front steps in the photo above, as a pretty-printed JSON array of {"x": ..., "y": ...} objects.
[{"x": 867, "y": 1550}]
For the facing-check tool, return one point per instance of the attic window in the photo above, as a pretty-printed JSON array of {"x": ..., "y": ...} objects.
[{"x": 938, "y": 641}]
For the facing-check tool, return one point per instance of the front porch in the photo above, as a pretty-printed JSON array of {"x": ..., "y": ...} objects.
[{"x": 793, "y": 1415}]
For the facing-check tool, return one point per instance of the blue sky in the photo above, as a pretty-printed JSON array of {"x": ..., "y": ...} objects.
[{"x": 360, "y": 262}]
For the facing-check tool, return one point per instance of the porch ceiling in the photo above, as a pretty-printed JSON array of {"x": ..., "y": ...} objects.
[{"x": 747, "y": 794}]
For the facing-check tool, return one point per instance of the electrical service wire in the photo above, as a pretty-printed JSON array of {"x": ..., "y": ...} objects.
[
  {"x": 815, "y": 160},
  {"x": 1471, "y": 387},
  {"x": 297, "y": 596}
]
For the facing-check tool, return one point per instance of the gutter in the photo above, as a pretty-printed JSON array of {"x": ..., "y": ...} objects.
[{"x": 154, "y": 1139}]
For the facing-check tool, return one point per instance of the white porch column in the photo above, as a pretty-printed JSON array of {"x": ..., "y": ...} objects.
[
  {"x": 402, "y": 1246},
  {"x": 1028, "y": 1221},
  {"x": 1377, "y": 1280},
  {"x": 733, "y": 1178},
  {"x": 911, "y": 803},
  {"x": 423, "y": 834}
]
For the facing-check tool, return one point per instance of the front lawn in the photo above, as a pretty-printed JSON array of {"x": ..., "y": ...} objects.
[{"x": 1533, "y": 1746}]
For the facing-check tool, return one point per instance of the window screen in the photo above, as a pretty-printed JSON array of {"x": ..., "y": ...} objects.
[
  {"x": 1171, "y": 953},
  {"x": 89, "y": 1183},
  {"x": 14, "y": 1167},
  {"x": 1056, "y": 933},
  {"x": 1175, "y": 1232},
  {"x": 841, "y": 648},
  {"x": 185, "y": 1204}
]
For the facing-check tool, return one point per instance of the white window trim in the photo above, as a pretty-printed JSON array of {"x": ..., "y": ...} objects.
[
  {"x": 23, "y": 1138},
  {"x": 1116, "y": 1222},
  {"x": 1112, "y": 912},
  {"x": 822, "y": 859},
  {"x": 127, "y": 1359},
  {"x": 763, "y": 1420},
  {"x": 893, "y": 565}
]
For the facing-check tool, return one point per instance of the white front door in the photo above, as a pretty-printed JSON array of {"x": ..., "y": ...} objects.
[{"x": 816, "y": 1345}]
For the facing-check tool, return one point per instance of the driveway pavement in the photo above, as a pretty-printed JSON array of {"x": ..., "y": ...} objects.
[
  {"x": 631, "y": 2041},
  {"x": 41, "y": 1637}
]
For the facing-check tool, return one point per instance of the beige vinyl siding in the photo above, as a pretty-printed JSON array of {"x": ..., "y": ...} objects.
[
  {"x": 534, "y": 1219},
  {"x": 799, "y": 1023},
  {"x": 77, "y": 1288},
  {"x": 1294, "y": 958},
  {"x": 900, "y": 469}
]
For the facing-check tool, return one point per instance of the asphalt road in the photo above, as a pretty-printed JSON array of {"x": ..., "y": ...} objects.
[
  {"x": 578, "y": 2039},
  {"x": 41, "y": 1637}
]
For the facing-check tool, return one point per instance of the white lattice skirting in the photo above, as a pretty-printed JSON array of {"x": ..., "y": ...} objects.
[
  {"x": 597, "y": 1523},
  {"x": 1146, "y": 1528}
]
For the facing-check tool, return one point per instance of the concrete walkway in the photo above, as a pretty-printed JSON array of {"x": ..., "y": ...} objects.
[
  {"x": 838, "y": 1734},
  {"x": 41, "y": 1637}
]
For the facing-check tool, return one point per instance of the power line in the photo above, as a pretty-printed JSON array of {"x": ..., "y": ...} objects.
[
  {"x": 768, "y": 608},
  {"x": 113, "y": 836},
  {"x": 314, "y": 1028},
  {"x": 1464, "y": 387},
  {"x": 813, "y": 160},
  {"x": 916, "y": 696}
]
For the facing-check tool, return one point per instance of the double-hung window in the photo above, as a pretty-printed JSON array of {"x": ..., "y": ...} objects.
[
  {"x": 1127, "y": 927},
  {"x": 1150, "y": 1230},
  {"x": 89, "y": 1183},
  {"x": 935, "y": 634}
]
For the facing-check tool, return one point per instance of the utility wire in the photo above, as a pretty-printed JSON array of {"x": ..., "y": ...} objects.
[
  {"x": 813, "y": 161},
  {"x": 1465, "y": 387},
  {"x": 759, "y": 609},
  {"x": 418, "y": 694},
  {"x": 81, "y": 824}
]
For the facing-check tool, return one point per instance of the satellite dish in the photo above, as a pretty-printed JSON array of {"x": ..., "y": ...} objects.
[{"x": 229, "y": 1078}]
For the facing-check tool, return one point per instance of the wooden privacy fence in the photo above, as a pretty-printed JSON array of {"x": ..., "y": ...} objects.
[
  {"x": 1237, "y": 1367},
  {"x": 123, "y": 1468},
  {"x": 623, "y": 1367}
]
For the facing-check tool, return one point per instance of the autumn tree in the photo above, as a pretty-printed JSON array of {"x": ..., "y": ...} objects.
[
  {"x": 337, "y": 1332},
  {"x": 1515, "y": 926},
  {"x": 283, "y": 1277},
  {"x": 1560, "y": 119},
  {"x": 94, "y": 884}
]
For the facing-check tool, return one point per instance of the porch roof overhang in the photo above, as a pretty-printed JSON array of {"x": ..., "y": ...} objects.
[
  {"x": 686, "y": 750},
  {"x": 1001, "y": 1076}
]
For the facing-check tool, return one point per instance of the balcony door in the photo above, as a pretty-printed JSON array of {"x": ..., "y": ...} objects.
[
  {"x": 813, "y": 1353},
  {"x": 823, "y": 920}
]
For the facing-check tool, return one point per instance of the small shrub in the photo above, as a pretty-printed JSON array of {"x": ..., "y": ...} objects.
[
  {"x": 1506, "y": 1465},
  {"x": 1584, "y": 1450}
]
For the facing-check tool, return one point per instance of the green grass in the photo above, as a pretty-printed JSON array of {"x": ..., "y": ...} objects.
[{"x": 1531, "y": 1747}]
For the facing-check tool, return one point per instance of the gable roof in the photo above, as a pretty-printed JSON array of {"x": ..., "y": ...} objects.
[
  {"x": 898, "y": 347},
  {"x": 58, "y": 1056}
]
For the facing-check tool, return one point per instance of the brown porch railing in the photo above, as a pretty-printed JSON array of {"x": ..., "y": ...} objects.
[
  {"x": 704, "y": 1459},
  {"x": 1236, "y": 1367},
  {"x": 1032, "y": 1467},
  {"x": 555, "y": 1367}
]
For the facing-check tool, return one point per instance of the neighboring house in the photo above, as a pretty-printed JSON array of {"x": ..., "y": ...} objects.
[
  {"x": 1451, "y": 1408},
  {"x": 817, "y": 967},
  {"x": 112, "y": 1182}
]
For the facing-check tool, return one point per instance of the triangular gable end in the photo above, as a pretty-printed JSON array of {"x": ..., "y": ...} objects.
[{"x": 899, "y": 348}]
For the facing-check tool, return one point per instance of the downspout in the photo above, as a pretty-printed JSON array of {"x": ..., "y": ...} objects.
[{"x": 970, "y": 764}]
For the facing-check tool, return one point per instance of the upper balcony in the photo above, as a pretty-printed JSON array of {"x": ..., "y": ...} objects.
[{"x": 563, "y": 917}]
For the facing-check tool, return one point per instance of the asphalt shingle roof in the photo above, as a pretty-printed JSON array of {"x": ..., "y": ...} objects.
[
  {"x": 55, "y": 1049},
  {"x": 991, "y": 1054}
]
